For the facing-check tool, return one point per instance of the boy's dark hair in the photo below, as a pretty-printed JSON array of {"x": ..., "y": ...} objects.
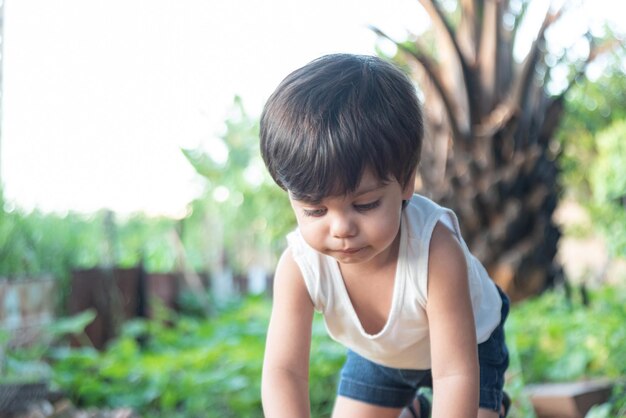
[{"x": 329, "y": 120}]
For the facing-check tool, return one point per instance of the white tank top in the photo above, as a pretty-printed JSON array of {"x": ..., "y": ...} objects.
[{"x": 404, "y": 340}]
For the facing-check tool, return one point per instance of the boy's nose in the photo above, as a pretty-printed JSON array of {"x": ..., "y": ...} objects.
[{"x": 343, "y": 227}]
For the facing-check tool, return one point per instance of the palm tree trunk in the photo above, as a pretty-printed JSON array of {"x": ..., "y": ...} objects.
[{"x": 487, "y": 153}]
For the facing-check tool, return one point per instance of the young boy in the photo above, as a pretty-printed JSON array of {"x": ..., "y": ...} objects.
[{"x": 387, "y": 268}]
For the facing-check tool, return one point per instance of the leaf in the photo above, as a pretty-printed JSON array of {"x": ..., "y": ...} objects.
[
  {"x": 72, "y": 325},
  {"x": 600, "y": 411},
  {"x": 202, "y": 163}
]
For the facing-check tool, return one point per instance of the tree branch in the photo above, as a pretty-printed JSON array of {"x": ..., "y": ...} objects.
[
  {"x": 595, "y": 51},
  {"x": 518, "y": 21},
  {"x": 431, "y": 71},
  {"x": 469, "y": 35},
  {"x": 522, "y": 89},
  {"x": 489, "y": 54},
  {"x": 497, "y": 119},
  {"x": 469, "y": 77}
]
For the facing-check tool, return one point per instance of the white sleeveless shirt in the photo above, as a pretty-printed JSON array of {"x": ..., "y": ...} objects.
[{"x": 404, "y": 340}]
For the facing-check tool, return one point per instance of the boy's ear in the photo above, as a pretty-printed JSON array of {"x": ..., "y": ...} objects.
[{"x": 409, "y": 188}]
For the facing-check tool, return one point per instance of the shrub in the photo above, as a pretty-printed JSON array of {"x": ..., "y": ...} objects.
[
  {"x": 561, "y": 338},
  {"x": 186, "y": 366}
]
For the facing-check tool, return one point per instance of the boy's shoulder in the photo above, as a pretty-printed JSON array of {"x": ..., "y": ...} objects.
[
  {"x": 422, "y": 215},
  {"x": 421, "y": 208}
]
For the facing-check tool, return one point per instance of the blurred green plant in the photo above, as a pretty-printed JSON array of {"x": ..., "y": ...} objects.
[
  {"x": 592, "y": 152},
  {"x": 34, "y": 244},
  {"x": 182, "y": 365},
  {"x": 560, "y": 338},
  {"x": 146, "y": 241},
  {"x": 28, "y": 363},
  {"x": 608, "y": 182},
  {"x": 186, "y": 366},
  {"x": 590, "y": 107},
  {"x": 249, "y": 213}
]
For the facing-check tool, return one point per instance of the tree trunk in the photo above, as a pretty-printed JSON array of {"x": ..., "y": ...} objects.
[{"x": 489, "y": 128}]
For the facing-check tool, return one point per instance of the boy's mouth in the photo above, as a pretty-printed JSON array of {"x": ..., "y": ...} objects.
[{"x": 348, "y": 250}]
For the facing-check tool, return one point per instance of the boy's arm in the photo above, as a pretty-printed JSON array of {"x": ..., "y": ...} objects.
[
  {"x": 285, "y": 383},
  {"x": 452, "y": 331}
]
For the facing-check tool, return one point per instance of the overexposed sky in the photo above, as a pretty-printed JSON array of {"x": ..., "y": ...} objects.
[{"x": 99, "y": 96}]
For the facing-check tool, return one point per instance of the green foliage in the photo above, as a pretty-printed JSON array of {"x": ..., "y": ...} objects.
[
  {"x": 190, "y": 366},
  {"x": 591, "y": 106},
  {"x": 593, "y": 153},
  {"x": 28, "y": 363},
  {"x": 608, "y": 182},
  {"x": 34, "y": 244},
  {"x": 558, "y": 339},
  {"x": 562, "y": 340},
  {"x": 249, "y": 213},
  {"x": 185, "y": 366},
  {"x": 147, "y": 241}
]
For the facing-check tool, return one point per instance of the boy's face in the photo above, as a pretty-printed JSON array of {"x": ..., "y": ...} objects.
[{"x": 360, "y": 227}]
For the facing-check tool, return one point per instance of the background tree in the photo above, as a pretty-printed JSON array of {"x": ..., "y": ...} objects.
[
  {"x": 245, "y": 213},
  {"x": 608, "y": 182},
  {"x": 490, "y": 151},
  {"x": 591, "y": 106},
  {"x": 593, "y": 160}
]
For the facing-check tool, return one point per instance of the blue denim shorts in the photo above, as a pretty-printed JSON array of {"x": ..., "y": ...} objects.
[{"x": 375, "y": 384}]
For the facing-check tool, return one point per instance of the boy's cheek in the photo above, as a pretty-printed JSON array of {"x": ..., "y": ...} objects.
[
  {"x": 310, "y": 230},
  {"x": 300, "y": 218}
]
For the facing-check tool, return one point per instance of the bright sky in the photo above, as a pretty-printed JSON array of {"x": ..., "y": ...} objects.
[{"x": 99, "y": 96}]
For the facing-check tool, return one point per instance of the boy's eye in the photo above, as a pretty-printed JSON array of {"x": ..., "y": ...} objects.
[
  {"x": 314, "y": 212},
  {"x": 367, "y": 206}
]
